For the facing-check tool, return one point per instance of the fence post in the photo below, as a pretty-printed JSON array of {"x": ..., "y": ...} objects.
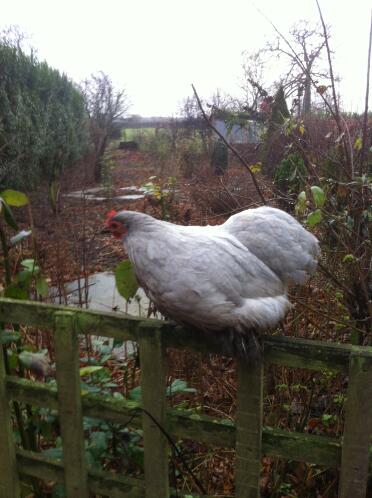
[
  {"x": 357, "y": 429},
  {"x": 249, "y": 429},
  {"x": 153, "y": 385},
  {"x": 69, "y": 401},
  {"x": 9, "y": 483}
]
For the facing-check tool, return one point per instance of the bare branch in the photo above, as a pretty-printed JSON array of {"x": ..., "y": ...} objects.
[
  {"x": 365, "y": 117},
  {"x": 229, "y": 146},
  {"x": 348, "y": 152}
]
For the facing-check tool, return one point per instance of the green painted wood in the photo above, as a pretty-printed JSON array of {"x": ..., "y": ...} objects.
[
  {"x": 100, "y": 482},
  {"x": 249, "y": 429},
  {"x": 153, "y": 385},
  {"x": 301, "y": 447},
  {"x": 69, "y": 405},
  {"x": 185, "y": 425},
  {"x": 357, "y": 429},
  {"x": 9, "y": 480},
  {"x": 281, "y": 350},
  {"x": 292, "y": 352}
]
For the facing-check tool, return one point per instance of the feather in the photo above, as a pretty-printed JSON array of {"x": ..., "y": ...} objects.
[{"x": 229, "y": 279}]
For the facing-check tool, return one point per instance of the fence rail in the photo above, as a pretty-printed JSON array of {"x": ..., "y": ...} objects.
[{"x": 251, "y": 440}]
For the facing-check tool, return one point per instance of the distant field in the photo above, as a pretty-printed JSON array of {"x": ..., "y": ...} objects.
[{"x": 133, "y": 133}]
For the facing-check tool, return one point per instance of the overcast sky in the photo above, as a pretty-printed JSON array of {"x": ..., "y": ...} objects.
[{"x": 157, "y": 48}]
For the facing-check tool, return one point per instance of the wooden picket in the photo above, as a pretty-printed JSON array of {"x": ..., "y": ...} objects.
[
  {"x": 249, "y": 429},
  {"x": 153, "y": 385},
  {"x": 69, "y": 405},
  {"x": 251, "y": 440},
  {"x": 9, "y": 481}
]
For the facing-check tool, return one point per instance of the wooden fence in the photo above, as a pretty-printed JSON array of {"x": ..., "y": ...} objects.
[{"x": 251, "y": 440}]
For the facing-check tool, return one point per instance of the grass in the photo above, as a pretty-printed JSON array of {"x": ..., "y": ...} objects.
[{"x": 134, "y": 133}]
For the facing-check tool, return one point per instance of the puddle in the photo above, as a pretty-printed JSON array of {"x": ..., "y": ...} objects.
[
  {"x": 132, "y": 189},
  {"x": 100, "y": 194},
  {"x": 103, "y": 296},
  {"x": 129, "y": 197}
]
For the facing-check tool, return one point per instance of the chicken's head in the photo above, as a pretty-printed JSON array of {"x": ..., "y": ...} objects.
[{"x": 117, "y": 228}]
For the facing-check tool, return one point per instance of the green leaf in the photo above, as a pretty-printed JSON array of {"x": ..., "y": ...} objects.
[
  {"x": 9, "y": 336},
  {"x": 318, "y": 196},
  {"x": 358, "y": 143},
  {"x": 349, "y": 258},
  {"x": 12, "y": 359},
  {"x": 53, "y": 453},
  {"x": 314, "y": 218},
  {"x": 84, "y": 371},
  {"x": 14, "y": 198},
  {"x": 256, "y": 168},
  {"x": 179, "y": 386},
  {"x": 98, "y": 443},
  {"x": 42, "y": 286},
  {"x": 30, "y": 265},
  {"x": 135, "y": 394},
  {"x": 59, "y": 490},
  {"x": 24, "y": 277},
  {"x": 15, "y": 292},
  {"x": 301, "y": 203},
  {"x": 126, "y": 281}
]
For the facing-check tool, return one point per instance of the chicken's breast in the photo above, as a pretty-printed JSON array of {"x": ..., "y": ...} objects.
[{"x": 210, "y": 279}]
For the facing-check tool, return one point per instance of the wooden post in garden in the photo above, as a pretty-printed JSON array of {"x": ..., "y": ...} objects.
[
  {"x": 358, "y": 428},
  {"x": 9, "y": 482},
  {"x": 153, "y": 385},
  {"x": 249, "y": 429},
  {"x": 70, "y": 407}
]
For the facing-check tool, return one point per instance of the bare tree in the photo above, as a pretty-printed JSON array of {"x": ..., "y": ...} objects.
[
  {"x": 105, "y": 106},
  {"x": 253, "y": 84},
  {"x": 303, "y": 67}
]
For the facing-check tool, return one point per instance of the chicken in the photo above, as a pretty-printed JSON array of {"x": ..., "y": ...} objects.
[{"x": 229, "y": 279}]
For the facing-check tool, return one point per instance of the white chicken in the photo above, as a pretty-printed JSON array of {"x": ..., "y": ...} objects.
[{"x": 230, "y": 278}]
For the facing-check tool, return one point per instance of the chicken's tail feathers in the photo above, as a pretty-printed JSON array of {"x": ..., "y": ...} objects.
[{"x": 261, "y": 313}]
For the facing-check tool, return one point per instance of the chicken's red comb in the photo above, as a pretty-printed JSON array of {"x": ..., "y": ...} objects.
[{"x": 110, "y": 215}]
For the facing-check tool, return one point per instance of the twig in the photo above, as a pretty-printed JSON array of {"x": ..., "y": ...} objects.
[
  {"x": 365, "y": 117},
  {"x": 229, "y": 146},
  {"x": 326, "y": 315},
  {"x": 337, "y": 111},
  {"x": 175, "y": 449},
  {"x": 234, "y": 198},
  {"x": 334, "y": 279},
  {"x": 335, "y": 115}
]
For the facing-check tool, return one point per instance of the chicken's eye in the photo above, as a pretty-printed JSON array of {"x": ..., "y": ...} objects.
[{"x": 114, "y": 225}]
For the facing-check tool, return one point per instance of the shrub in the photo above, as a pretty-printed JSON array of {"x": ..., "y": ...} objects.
[
  {"x": 290, "y": 175},
  {"x": 219, "y": 158},
  {"x": 42, "y": 123}
]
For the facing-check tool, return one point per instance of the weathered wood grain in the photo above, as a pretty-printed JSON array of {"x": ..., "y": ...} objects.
[
  {"x": 99, "y": 482},
  {"x": 69, "y": 405},
  {"x": 154, "y": 336},
  {"x": 249, "y": 429},
  {"x": 9, "y": 480},
  {"x": 301, "y": 353},
  {"x": 153, "y": 384},
  {"x": 185, "y": 425},
  {"x": 357, "y": 429}
]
